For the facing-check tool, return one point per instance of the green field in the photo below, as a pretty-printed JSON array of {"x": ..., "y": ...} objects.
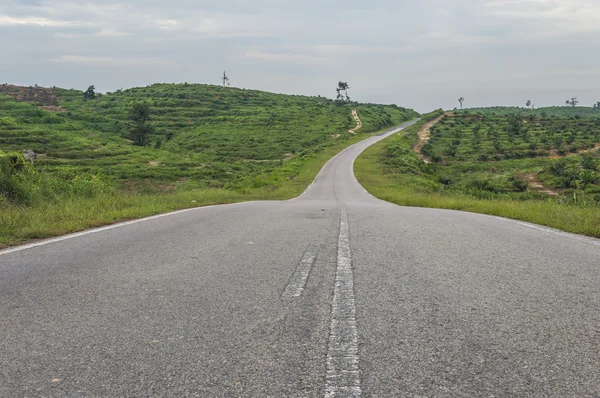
[
  {"x": 543, "y": 170},
  {"x": 209, "y": 144}
]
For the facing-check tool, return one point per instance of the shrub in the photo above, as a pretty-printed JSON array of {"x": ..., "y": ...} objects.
[
  {"x": 517, "y": 184},
  {"x": 14, "y": 173}
]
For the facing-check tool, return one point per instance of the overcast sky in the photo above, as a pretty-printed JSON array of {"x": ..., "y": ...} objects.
[{"x": 421, "y": 54}]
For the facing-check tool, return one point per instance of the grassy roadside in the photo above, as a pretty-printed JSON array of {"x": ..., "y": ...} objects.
[
  {"x": 20, "y": 223},
  {"x": 409, "y": 190}
]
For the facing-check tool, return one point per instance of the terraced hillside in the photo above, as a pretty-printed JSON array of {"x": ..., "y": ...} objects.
[
  {"x": 504, "y": 154},
  {"x": 478, "y": 137},
  {"x": 204, "y": 135},
  {"x": 540, "y": 169},
  {"x": 563, "y": 112}
]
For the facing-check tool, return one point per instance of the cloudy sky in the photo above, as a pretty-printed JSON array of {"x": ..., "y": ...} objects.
[{"x": 421, "y": 54}]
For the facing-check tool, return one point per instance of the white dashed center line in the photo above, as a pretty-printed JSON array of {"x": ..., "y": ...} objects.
[
  {"x": 343, "y": 377},
  {"x": 297, "y": 282}
]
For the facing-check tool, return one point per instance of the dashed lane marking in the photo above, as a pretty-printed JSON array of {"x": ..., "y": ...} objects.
[
  {"x": 297, "y": 282},
  {"x": 343, "y": 376}
]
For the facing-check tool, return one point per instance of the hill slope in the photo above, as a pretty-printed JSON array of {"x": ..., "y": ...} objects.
[
  {"x": 209, "y": 134},
  {"x": 563, "y": 112},
  {"x": 209, "y": 145},
  {"x": 544, "y": 170}
]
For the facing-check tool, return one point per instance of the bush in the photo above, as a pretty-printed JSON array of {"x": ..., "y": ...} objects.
[
  {"x": 14, "y": 173},
  {"x": 482, "y": 185},
  {"x": 20, "y": 184},
  {"x": 588, "y": 162},
  {"x": 517, "y": 184}
]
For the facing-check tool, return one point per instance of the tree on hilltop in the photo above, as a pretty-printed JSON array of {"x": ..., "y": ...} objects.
[
  {"x": 225, "y": 79},
  {"x": 342, "y": 92},
  {"x": 572, "y": 102},
  {"x": 90, "y": 93},
  {"x": 139, "y": 115},
  {"x": 528, "y": 104},
  {"x": 461, "y": 100}
]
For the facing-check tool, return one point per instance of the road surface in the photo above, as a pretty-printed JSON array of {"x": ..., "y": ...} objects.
[{"x": 332, "y": 294}]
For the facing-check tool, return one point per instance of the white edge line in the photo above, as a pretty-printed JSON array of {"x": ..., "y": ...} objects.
[
  {"x": 107, "y": 227},
  {"x": 581, "y": 238}
]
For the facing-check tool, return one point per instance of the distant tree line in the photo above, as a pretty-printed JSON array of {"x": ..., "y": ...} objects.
[{"x": 573, "y": 102}]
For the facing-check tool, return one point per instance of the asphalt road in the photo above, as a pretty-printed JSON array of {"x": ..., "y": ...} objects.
[{"x": 333, "y": 294}]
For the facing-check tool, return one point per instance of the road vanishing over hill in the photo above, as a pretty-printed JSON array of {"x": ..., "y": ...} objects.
[{"x": 334, "y": 293}]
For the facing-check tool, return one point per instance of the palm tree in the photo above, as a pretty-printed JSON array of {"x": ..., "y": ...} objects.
[
  {"x": 528, "y": 103},
  {"x": 573, "y": 102},
  {"x": 461, "y": 100},
  {"x": 225, "y": 79}
]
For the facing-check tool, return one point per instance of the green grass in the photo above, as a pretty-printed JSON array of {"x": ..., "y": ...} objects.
[{"x": 391, "y": 171}]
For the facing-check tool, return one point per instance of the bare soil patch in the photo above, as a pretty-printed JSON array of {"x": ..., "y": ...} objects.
[
  {"x": 536, "y": 185},
  {"x": 424, "y": 135},
  {"x": 41, "y": 96},
  {"x": 358, "y": 122},
  {"x": 53, "y": 108}
]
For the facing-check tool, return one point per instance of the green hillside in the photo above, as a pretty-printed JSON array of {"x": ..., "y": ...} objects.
[
  {"x": 540, "y": 169},
  {"x": 209, "y": 135},
  {"x": 207, "y": 144},
  {"x": 562, "y": 112}
]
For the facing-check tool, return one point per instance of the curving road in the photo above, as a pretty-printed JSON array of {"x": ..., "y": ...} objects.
[{"x": 333, "y": 294}]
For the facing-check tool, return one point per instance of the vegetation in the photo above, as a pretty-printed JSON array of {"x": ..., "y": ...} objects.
[
  {"x": 542, "y": 170},
  {"x": 146, "y": 150},
  {"x": 561, "y": 112},
  {"x": 342, "y": 92},
  {"x": 141, "y": 129},
  {"x": 90, "y": 93},
  {"x": 572, "y": 102}
]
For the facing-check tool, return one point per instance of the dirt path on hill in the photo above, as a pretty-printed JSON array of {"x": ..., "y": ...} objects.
[
  {"x": 358, "y": 122},
  {"x": 537, "y": 186},
  {"x": 424, "y": 136},
  {"x": 594, "y": 149},
  {"x": 555, "y": 155}
]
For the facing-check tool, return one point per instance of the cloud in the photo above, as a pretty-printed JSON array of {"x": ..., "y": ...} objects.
[
  {"x": 6, "y": 20},
  {"x": 547, "y": 18},
  {"x": 387, "y": 50},
  {"x": 110, "y": 61},
  {"x": 166, "y": 24},
  {"x": 339, "y": 49},
  {"x": 284, "y": 57},
  {"x": 108, "y": 32}
]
